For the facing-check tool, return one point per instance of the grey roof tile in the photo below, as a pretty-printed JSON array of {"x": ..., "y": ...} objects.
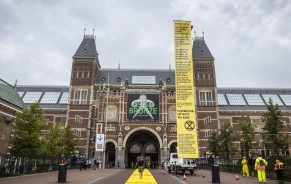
[
  {"x": 166, "y": 75},
  {"x": 87, "y": 48},
  {"x": 200, "y": 50}
]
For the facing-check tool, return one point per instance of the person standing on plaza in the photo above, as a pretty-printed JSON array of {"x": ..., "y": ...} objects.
[
  {"x": 81, "y": 163},
  {"x": 245, "y": 169},
  {"x": 251, "y": 163},
  {"x": 279, "y": 169},
  {"x": 140, "y": 164},
  {"x": 260, "y": 166},
  {"x": 97, "y": 164}
]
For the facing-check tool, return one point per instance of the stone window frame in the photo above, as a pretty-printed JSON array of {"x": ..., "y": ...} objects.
[
  {"x": 207, "y": 120},
  {"x": 78, "y": 119}
]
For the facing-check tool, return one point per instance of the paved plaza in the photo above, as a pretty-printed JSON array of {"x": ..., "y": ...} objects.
[{"x": 120, "y": 176}]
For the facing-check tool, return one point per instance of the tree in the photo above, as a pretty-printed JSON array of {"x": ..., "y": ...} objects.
[
  {"x": 60, "y": 142},
  {"x": 247, "y": 134},
  {"x": 226, "y": 139},
  {"x": 54, "y": 141},
  {"x": 69, "y": 142},
  {"x": 274, "y": 140},
  {"x": 213, "y": 142},
  {"x": 26, "y": 138}
]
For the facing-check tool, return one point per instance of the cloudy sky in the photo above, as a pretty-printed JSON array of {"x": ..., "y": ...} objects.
[{"x": 250, "y": 39}]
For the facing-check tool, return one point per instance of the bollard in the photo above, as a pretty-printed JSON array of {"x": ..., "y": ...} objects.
[
  {"x": 215, "y": 174},
  {"x": 62, "y": 176}
]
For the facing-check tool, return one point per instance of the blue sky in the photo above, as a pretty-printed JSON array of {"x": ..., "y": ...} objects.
[{"x": 250, "y": 40}]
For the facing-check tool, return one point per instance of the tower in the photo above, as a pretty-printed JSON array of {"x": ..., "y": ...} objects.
[
  {"x": 85, "y": 67},
  {"x": 205, "y": 92}
]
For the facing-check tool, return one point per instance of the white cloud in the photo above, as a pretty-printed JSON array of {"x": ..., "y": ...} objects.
[{"x": 249, "y": 39}]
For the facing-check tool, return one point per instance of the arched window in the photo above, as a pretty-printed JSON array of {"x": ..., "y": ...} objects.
[
  {"x": 134, "y": 148},
  {"x": 173, "y": 148},
  {"x": 151, "y": 149}
]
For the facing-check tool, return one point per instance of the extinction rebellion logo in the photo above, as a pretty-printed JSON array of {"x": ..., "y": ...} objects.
[{"x": 143, "y": 107}]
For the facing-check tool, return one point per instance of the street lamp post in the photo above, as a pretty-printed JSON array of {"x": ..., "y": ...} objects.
[{"x": 105, "y": 128}]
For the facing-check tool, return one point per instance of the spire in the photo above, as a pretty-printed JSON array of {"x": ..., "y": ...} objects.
[
  {"x": 87, "y": 48},
  {"x": 94, "y": 30},
  {"x": 15, "y": 85}
]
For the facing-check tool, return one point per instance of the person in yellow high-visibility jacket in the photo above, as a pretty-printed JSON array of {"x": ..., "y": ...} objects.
[
  {"x": 245, "y": 169},
  {"x": 260, "y": 166}
]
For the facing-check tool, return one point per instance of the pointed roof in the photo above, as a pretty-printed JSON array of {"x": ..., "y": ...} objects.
[
  {"x": 200, "y": 50},
  {"x": 87, "y": 48}
]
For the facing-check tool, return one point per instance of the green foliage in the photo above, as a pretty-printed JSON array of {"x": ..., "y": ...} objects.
[
  {"x": 226, "y": 138},
  {"x": 26, "y": 139},
  {"x": 246, "y": 137},
  {"x": 221, "y": 143},
  {"x": 69, "y": 142},
  {"x": 60, "y": 142},
  {"x": 274, "y": 140},
  {"x": 213, "y": 143},
  {"x": 54, "y": 141}
]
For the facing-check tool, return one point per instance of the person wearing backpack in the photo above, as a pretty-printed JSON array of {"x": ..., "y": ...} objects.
[
  {"x": 279, "y": 169},
  {"x": 260, "y": 166}
]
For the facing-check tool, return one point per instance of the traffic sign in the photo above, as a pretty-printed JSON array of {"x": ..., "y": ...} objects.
[{"x": 100, "y": 139}]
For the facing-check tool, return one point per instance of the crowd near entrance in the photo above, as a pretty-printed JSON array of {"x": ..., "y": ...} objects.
[{"x": 142, "y": 143}]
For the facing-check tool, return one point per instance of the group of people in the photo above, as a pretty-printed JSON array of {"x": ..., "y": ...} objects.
[
  {"x": 87, "y": 164},
  {"x": 259, "y": 164}
]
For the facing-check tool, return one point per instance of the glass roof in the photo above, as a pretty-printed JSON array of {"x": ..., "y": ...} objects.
[
  {"x": 274, "y": 98},
  {"x": 254, "y": 99},
  {"x": 143, "y": 79},
  {"x": 221, "y": 99},
  {"x": 286, "y": 99},
  {"x": 50, "y": 97},
  {"x": 236, "y": 99},
  {"x": 32, "y": 97},
  {"x": 20, "y": 93},
  {"x": 65, "y": 98}
]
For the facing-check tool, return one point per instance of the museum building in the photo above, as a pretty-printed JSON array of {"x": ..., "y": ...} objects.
[{"x": 136, "y": 108}]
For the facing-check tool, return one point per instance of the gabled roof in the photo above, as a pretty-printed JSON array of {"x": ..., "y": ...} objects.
[
  {"x": 200, "y": 50},
  {"x": 87, "y": 48},
  {"x": 9, "y": 96}
]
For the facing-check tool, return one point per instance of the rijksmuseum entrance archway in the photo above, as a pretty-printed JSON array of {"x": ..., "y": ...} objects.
[{"x": 142, "y": 143}]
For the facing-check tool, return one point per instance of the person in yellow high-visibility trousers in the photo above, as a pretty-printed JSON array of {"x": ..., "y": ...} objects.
[
  {"x": 260, "y": 166},
  {"x": 245, "y": 169}
]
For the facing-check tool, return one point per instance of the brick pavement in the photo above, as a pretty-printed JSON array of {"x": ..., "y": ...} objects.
[
  {"x": 93, "y": 176},
  {"x": 205, "y": 177},
  {"x": 74, "y": 176}
]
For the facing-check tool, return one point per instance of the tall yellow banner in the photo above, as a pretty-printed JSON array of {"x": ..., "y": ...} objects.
[{"x": 185, "y": 101}]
